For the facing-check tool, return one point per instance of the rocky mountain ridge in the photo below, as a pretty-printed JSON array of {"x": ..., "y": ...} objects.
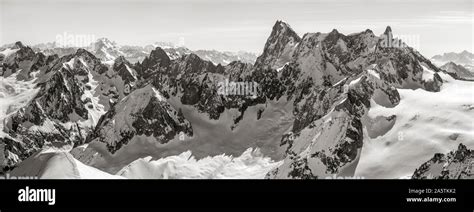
[{"x": 327, "y": 82}]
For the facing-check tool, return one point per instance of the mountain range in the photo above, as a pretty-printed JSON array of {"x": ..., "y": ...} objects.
[
  {"x": 464, "y": 59},
  {"x": 107, "y": 50},
  {"x": 326, "y": 105},
  {"x": 461, "y": 58}
]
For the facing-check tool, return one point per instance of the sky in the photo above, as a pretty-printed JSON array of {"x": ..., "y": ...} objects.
[{"x": 431, "y": 26}]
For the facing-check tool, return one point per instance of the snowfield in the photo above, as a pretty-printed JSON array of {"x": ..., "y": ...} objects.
[
  {"x": 250, "y": 165},
  {"x": 60, "y": 164},
  {"x": 14, "y": 94},
  {"x": 426, "y": 123}
]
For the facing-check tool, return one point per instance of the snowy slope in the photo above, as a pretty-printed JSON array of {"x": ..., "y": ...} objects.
[
  {"x": 60, "y": 164},
  {"x": 458, "y": 71},
  {"x": 426, "y": 123},
  {"x": 250, "y": 165},
  {"x": 326, "y": 104},
  {"x": 57, "y": 164},
  {"x": 14, "y": 94},
  {"x": 210, "y": 137}
]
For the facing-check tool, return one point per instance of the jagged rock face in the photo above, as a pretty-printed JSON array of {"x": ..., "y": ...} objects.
[
  {"x": 461, "y": 58},
  {"x": 192, "y": 64},
  {"x": 238, "y": 70},
  {"x": 326, "y": 141},
  {"x": 8, "y": 158},
  {"x": 134, "y": 54},
  {"x": 115, "y": 82},
  {"x": 225, "y": 58},
  {"x": 195, "y": 82},
  {"x": 20, "y": 66},
  {"x": 54, "y": 48},
  {"x": 328, "y": 58},
  {"x": 24, "y": 52},
  {"x": 51, "y": 115},
  {"x": 458, "y": 71},
  {"x": 330, "y": 148},
  {"x": 406, "y": 68},
  {"x": 314, "y": 79},
  {"x": 146, "y": 114},
  {"x": 327, "y": 146},
  {"x": 73, "y": 92},
  {"x": 177, "y": 52},
  {"x": 454, "y": 165},
  {"x": 328, "y": 79},
  {"x": 157, "y": 59},
  {"x": 279, "y": 47},
  {"x": 124, "y": 70},
  {"x": 22, "y": 59},
  {"x": 191, "y": 80},
  {"x": 216, "y": 57},
  {"x": 314, "y": 148},
  {"x": 59, "y": 51},
  {"x": 108, "y": 51},
  {"x": 105, "y": 49}
]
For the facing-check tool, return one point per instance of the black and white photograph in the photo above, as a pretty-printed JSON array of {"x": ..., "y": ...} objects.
[{"x": 199, "y": 93}]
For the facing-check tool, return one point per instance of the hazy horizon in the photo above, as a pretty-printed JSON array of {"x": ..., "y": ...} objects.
[{"x": 231, "y": 25}]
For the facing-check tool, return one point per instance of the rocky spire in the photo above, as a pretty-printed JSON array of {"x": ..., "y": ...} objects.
[
  {"x": 158, "y": 58},
  {"x": 454, "y": 165},
  {"x": 279, "y": 46},
  {"x": 388, "y": 30},
  {"x": 18, "y": 45}
]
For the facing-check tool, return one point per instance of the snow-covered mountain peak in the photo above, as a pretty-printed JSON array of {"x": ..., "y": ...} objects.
[
  {"x": 84, "y": 53},
  {"x": 120, "y": 60},
  {"x": 159, "y": 54},
  {"x": 105, "y": 49},
  {"x": 282, "y": 25},
  {"x": 105, "y": 42},
  {"x": 279, "y": 47},
  {"x": 165, "y": 45},
  {"x": 306, "y": 102},
  {"x": 458, "y": 71},
  {"x": 143, "y": 113},
  {"x": 157, "y": 58},
  {"x": 464, "y": 58}
]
